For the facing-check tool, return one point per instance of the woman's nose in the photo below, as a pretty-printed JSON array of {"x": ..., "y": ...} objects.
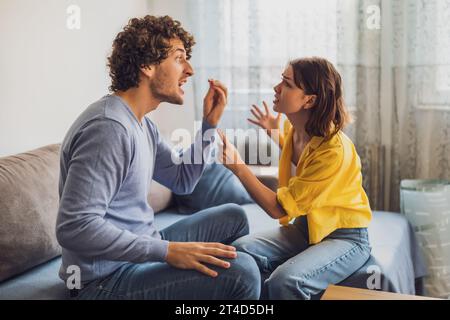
[{"x": 276, "y": 88}]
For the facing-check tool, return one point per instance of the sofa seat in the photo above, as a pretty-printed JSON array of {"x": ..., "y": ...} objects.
[
  {"x": 42, "y": 282},
  {"x": 392, "y": 239}
]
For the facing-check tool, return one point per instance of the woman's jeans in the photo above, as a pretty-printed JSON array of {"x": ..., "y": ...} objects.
[
  {"x": 291, "y": 268},
  {"x": 155, "y": 280}
]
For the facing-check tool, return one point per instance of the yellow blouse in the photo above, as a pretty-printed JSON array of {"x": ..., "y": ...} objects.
[{"x": 327, "y": 188}]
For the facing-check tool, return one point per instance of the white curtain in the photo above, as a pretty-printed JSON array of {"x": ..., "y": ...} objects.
[
  {"x": 247, "y": 43},
  {"x": 394, "y": 57},
  {"x": 421, "y": 86}
]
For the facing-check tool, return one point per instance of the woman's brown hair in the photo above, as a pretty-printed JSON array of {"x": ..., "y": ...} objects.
[{"x": 317, "y": 76}]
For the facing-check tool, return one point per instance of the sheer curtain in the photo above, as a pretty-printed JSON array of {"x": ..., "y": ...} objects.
[
  {"x": 394, "y": 57},
  {"x": 421, "y": 77},
  {"x": 247, "y": 43}
]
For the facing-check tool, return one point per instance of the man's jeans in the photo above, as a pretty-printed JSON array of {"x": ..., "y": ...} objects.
[
  {"x": 155, "y": 280},
  {"x": 293, "y": 269}
]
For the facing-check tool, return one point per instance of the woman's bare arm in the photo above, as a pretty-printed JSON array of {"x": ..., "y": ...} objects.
[{"x": 263, "y": 196}]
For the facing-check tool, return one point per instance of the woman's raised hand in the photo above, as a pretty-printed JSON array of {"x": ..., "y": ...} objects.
[{"x": 266, "y": 120}]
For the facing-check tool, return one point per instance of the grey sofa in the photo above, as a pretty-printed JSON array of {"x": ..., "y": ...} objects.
[{"x": 30, "y": 254}]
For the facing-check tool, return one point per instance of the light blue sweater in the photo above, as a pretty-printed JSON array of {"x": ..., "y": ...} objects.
[{"x": 108, "y": 161}]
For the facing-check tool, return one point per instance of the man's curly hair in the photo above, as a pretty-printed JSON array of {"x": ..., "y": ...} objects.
[{"x": 143, "y": 41}]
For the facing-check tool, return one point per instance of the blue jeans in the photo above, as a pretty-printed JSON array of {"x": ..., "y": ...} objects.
[
  {"x": 155, "y": 280},
  {"x": 291, "y": 268}
]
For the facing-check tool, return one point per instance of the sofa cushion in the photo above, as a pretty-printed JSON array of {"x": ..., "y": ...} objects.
[
  {"x": 28, "y": 209},
  {"x": 217, "y": 186}
]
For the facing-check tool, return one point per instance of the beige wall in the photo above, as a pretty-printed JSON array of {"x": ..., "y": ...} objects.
[{"x": 48, "y": 73}]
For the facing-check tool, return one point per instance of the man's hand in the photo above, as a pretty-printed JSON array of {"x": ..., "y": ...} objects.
[
  {"x": 214, "y": 102},
  {"x": 194, "y": 255}
]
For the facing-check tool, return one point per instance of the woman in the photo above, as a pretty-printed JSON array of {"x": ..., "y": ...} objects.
[{"x": 320, "y": 188}]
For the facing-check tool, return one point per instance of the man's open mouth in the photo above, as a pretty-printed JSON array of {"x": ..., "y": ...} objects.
[{"x": 180, "y": 84}]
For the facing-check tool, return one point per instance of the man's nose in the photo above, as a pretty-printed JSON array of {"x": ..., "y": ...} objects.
[{"x": 189, "y": 70}]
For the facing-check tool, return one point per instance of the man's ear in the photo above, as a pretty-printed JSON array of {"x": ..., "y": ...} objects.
[
  {"x": 148, "y": 71},
  {"x": 311, "y": 102}
]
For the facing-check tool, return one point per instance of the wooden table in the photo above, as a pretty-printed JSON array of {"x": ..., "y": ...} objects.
[{"x": 347, "y": 293}]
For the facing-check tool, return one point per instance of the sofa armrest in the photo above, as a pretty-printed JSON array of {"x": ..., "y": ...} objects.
[{"x": 267, "y": 175}]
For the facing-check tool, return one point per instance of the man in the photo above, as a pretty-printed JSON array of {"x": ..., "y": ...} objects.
[{"x": 108, "y": 159}]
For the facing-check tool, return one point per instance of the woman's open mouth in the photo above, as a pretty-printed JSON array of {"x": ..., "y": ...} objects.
[{"x": 276, "y": 100}]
